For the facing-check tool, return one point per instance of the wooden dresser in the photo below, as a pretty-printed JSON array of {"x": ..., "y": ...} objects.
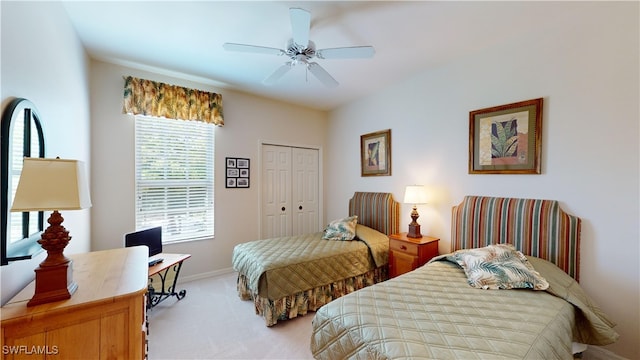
[{"x": 104, "y": 319}]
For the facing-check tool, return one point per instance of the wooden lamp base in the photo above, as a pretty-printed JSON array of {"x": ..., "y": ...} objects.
[
  {"x": 53, "y": 283},
  {"x": 54, "y": 276},
  {"x": 414, "y": 227},
  {"x": 414, "y": 231}
]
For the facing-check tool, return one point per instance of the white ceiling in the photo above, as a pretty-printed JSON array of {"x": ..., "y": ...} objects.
[{"x": 409, "y": 37}]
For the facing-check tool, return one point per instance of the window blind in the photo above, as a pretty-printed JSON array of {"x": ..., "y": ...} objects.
[
  {"x": 175, "y": 177},
  {"x": 22, "y": 225}
]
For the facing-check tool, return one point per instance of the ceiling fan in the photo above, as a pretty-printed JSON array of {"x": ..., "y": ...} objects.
[{"x": 300, "y": 51}]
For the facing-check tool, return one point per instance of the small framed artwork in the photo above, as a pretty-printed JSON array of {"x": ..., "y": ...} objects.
[
  {"x": 375, "y": 153},
  {"x": 506, "y": 139},
  {"x": 237, "y": 172},
  {"x": 242, "y": 182},
  {"x": 242, "y": 163}
]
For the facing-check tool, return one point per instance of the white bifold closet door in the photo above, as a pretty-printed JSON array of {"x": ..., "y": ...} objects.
[{"x": 290, "y": 188}]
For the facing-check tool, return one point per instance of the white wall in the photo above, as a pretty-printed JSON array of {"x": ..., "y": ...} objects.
[
  {"x": 587, "y": 73},
  {"x": 248, "y": 120},
  {"x": 43, "y": 61}
]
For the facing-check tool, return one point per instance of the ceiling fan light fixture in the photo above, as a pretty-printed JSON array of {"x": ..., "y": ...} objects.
[{"x": 294, "y": 50}]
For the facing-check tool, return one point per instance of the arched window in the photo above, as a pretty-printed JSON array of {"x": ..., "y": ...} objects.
[{"x": 21, "y": 136}]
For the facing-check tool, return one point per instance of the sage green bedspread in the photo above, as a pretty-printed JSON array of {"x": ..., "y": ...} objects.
[
  {"x": 432, "y": 313},
  {"x": 283, "y": 266}
]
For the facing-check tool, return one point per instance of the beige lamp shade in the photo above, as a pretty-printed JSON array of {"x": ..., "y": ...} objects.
[
  {"x": 415, "y": 194},
  {"x": 52, "y": 184}
]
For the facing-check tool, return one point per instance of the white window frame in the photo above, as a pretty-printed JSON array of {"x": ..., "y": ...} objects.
[{"x": 174, "y": 177}]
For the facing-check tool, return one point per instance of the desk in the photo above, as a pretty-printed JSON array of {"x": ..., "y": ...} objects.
[{"x": 167, "y": 272}]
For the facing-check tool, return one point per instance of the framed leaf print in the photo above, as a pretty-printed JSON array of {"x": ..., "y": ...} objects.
[{"x": 506, "y": 139}]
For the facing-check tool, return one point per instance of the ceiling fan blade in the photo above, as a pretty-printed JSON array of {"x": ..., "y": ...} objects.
[
  {"x": 278, "y": 74},
  {"x": 252, "y": 49},
  {"x": 322, "y": 75},
  {"x": 300, "y": 25},
  {"x": 353, "y": 52}
]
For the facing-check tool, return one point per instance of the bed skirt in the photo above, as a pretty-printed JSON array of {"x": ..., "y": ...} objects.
[{"x": 298, "y": 304}]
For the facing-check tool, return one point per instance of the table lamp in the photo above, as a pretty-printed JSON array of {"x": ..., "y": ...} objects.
[
  {"x": 415, "y": 194},
  {"x": 52, "y": 185}
]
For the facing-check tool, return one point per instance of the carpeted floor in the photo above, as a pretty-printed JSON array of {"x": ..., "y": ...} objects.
[{"x": 211, "y": 322}]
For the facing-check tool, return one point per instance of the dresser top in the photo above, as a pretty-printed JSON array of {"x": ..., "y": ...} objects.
[{"x": 102, "y": 276}]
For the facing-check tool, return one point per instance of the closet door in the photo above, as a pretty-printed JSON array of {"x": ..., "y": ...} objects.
[
  {"x": 305, "y": 190},
  {"x": 276, "y": 191},
  {"x": 290, "y": 188}
]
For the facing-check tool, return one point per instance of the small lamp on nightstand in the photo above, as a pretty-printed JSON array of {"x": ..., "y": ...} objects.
[
  {"x": 52, "y": 185},
  {"x": 415, "y": 194}
]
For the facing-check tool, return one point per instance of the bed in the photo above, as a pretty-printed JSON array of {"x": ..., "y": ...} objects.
[
  {"x": 434, "y": 313},
  {"x": 288, "y": 276}
]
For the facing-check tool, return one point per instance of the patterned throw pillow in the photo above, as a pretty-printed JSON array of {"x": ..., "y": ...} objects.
[
  {"x": 341, "y": 229},
  {"x": 498, "y": 267}
]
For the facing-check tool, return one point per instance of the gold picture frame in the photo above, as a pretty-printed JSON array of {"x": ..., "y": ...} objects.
[
  {"x": 375, "y": 153},
  {"x": 506, "y": 139}
]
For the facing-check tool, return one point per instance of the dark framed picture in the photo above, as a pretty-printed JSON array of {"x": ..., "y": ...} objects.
[
  {"x": 242, "y": 182},
  {"x": 506, "y": 139},
  {"x": 242, "y": 163},
  {"x": 237, "y": 172},
  {"x": 375, "y": 153}
]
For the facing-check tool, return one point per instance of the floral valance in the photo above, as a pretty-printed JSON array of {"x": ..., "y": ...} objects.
[{"x": 146, "y": 97}]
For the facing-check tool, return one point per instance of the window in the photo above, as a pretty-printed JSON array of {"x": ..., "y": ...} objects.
[
  {"x": 22, "y": 136},
  {"x": 174, "y": 177}
]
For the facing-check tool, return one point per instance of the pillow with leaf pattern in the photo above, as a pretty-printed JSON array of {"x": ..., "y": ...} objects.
[
  {"x": 498, "y": 266},
  {"x": 341, "y": 229}
]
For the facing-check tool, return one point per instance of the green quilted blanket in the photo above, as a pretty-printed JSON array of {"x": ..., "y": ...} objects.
[
  {"x": 283, "y": 266},
  {"x": 432, "y": 313}
]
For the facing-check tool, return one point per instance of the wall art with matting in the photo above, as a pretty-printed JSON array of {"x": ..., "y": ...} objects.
[
  {"x": 375, "y": 153},
  {"x": 506, "y": 139}
]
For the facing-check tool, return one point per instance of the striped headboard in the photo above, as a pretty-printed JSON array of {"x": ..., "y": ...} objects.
[
  {"x": 538, "y": 228},
  {"x": 376, "y": 210}
]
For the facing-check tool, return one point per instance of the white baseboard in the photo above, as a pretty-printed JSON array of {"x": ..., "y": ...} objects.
[{"x": 205, "y": 275}]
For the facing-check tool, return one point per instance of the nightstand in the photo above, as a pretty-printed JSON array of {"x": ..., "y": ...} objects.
[{"x": 406, "y": 254}]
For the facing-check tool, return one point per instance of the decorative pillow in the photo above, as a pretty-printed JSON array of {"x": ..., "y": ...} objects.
[
  {"x": 341, "y": 229},
  {"x": 498, "y": 267}
]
